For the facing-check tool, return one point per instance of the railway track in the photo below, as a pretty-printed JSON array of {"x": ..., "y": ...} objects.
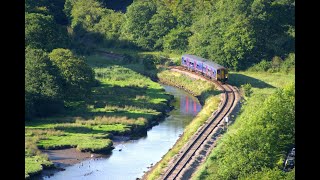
[{"x": 177, "y": 170}]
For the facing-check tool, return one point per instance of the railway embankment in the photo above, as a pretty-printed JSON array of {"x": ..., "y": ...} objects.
[{"x": 211, "y": 97}]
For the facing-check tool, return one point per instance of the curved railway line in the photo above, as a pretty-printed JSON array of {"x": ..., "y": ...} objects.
[{"x": 230, "y": 97}]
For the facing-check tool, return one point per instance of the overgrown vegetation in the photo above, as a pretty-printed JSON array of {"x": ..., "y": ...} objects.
[
  {"x": 210, "y": 98},
  {"x": 256, "y": 145}
]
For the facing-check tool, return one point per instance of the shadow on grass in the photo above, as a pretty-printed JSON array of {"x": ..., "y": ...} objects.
[
  {"x": 205, "y": 94},
  {"x": 137, "y": 97},
  {"x": 240, "y": 79}
]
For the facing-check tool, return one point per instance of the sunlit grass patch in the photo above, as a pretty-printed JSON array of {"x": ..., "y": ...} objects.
[
  {"x": 88, "y": 142},
  {"x": 35, "y": 164}
]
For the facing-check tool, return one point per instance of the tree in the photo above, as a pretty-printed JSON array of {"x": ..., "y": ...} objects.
[
  {"x": 110, "y": 27},
  {"x": 273, "y": 22},
  {"x": 137, "y": 27},
  {"x": 77, "y": 75},
  {"x": 42, "y": 85},
  {"x": 41, "y": 32},
  {"x": 161, "y": 24},
  {"x": 84, "y": 17},
  {"x": 176, "y": 39},
  {"x": 47, "y": 7},
  {"x": 87, "y": 13}
]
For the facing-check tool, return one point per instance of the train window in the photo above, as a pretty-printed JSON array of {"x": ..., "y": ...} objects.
[{"x": 218, "y": 72}]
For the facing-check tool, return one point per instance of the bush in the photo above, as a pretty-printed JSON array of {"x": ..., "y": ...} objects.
[
  {"x": 288, "y": 63},
  {"x": 263, "y": 65},
  {"x": 275, "y": 65},
  {"x": 149, "y": 62},
  {"x": 246, "y": 89}
]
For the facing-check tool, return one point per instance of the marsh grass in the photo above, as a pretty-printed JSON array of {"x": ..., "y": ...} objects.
[{"x": 35, "y": 164}]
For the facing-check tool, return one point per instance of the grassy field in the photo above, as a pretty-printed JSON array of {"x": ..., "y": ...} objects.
[
  {"x": 124, "y": 103},
  {"x": 263, "y": 85},
  {"x": 210, "y": 99}
]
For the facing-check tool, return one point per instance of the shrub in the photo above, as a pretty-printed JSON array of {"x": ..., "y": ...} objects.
[
  {"x": 263, "y": 65},
  {"x": 288, "y": 63},
  {"x": 246, "y": 89}
]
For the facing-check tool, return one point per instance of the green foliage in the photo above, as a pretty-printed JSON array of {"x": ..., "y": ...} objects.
[
  {"x": 288, "y": 64},
  {"x": 261, "y": 66},
  {"x": 276, "y": 64},
  {"x": 176, "y": 39},
  {"x": 161, "y": 24},
  {"x": 269, "y": 174},
  {"x": 235, "y": 34},
  {"x": 84, "y": 16},
  {"x": 77, "y": 75},
  {"x": 239, "y": 33},
  {"x": 47, "y": 7},
  {"x": 42, "y": 32},
  {"x": 137, "y": 27},
  {"x": 86, "y": 13},
  {"x": 42, "y": 85},
  {"x": 259, "y": 139},
  {"x": 246, "y": 89},
  {"x": 183, "y": 12},
  {"x": 225, "y": 35},
  {"x": 148, "y": 62},
  {"x": 274, "y": 24},
  {"x": 110, "y": 27}
]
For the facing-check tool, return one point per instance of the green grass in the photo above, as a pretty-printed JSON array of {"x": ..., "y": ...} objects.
[
  {"x": 124, "y": 103},
  {"x": 35, "y": 164},
  {"x": 200, "y": 88},
  {"x": 263, "y": 85},
  {"x": 34, "y": 160},
  {"x": 210, "y": 98}
]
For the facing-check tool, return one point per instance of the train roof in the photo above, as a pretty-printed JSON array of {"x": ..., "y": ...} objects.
[{"x": 208, "y": 62}]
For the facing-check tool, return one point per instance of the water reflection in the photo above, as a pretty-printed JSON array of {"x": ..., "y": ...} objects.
[
  {"x": 136, "y": 156},
  {"x": 189, "y": 106}
]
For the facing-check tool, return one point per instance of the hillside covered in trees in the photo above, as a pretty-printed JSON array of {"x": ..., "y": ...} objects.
[{"x": 236, "y": 34}]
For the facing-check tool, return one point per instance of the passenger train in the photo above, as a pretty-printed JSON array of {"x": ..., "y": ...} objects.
[{"x": 205, "y": 67}]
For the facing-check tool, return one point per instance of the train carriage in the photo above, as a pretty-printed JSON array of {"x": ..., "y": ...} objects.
[{"x": 205, "y": 67}]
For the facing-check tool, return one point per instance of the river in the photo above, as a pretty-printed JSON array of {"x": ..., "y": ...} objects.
[{"x": 130, "y": 159}]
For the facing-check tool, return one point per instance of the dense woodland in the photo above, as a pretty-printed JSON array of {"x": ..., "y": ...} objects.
[
  {"x": 254, "y": 35},
  {"x": 234, "y": 33}
]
